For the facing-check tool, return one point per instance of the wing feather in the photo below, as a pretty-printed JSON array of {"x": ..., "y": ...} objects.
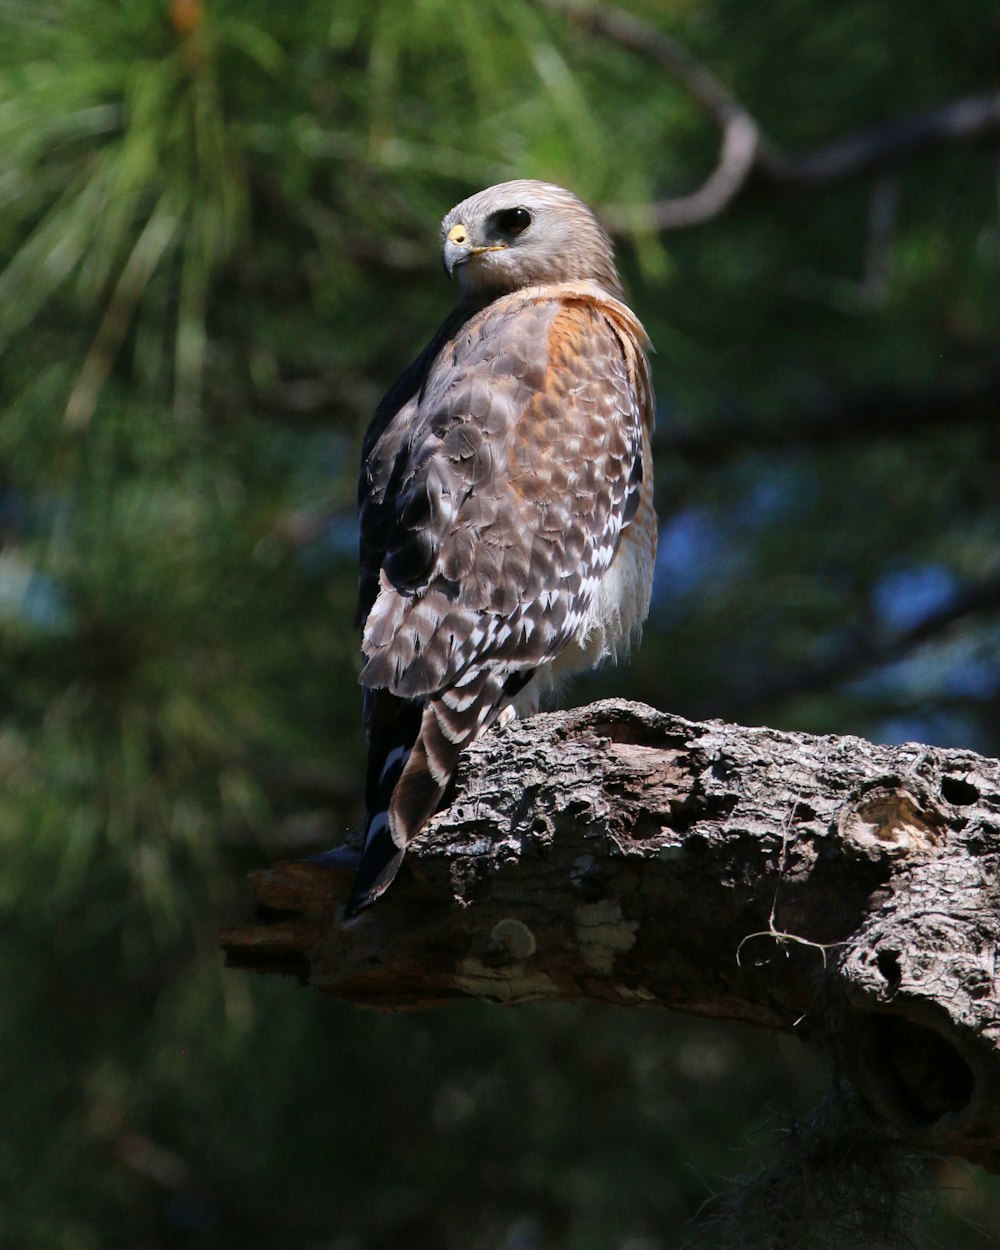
[
  {"x": 375, "y": 480},
  {"x": 510, "y": 497}
]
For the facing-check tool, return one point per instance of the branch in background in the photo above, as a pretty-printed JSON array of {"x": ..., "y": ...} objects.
[
  {"x": 638, "y": 36},
  {"x": 964, "y": 121},
  {"x": 868, "y": 651},
  {"x": 828, "y": 887},
  {"x": 746, "y": 152},
  {"x": 740, "y": 149},
  {"x": 966, "y": 399}
]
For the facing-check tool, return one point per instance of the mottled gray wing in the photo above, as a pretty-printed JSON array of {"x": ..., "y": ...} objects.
[
  {"x": 499, "y": 493},
  {"x": 406, "y": 391}
]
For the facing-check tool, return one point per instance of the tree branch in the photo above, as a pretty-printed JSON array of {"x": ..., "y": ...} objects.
[
  {"x": 968, "y": 398},
  {"x": 739, "y": 153},
  {"x": 741, "y": 145},
  {"x": 747, "y": 152},
  {"x": 826, "y": 886},
  {"x": 866, "y": 650},
  {"x": 963, "y": 121},
  {"x": 638, "y": 36}
]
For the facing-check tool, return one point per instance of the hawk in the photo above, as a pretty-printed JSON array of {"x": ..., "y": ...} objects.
[{"x": 505, "y": 501}]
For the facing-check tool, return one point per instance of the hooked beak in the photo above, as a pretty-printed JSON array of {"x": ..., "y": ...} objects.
[{"x": 458, "y": 249}]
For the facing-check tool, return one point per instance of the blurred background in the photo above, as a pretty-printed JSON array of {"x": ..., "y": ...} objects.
[{"x": 218, "y": 246}]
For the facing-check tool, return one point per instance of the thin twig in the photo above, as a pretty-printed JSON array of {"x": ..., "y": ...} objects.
[{"x": 782, "y": 936}]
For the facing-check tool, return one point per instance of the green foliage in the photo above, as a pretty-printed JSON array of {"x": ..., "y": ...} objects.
[{"x": 217, "y": 247}]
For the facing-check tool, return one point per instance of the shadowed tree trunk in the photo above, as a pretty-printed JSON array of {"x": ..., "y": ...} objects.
[{"x": 830, "y": 887}]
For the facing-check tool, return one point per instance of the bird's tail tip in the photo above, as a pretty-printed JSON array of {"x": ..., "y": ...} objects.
[{"x": 380, "y": 862}]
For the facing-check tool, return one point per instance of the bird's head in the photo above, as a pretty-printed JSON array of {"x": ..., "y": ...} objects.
[{"x": 525, "y": 233}]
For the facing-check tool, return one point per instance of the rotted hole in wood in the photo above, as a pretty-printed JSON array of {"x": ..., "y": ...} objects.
[
  {"x": 540, "y": 835},
  {"x": 887, "y": 962},
  {"x": 959, "y": 792},
  {"x": 923, "y": 1074}
]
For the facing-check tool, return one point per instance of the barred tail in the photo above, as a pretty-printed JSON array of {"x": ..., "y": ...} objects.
[
  {"x": 392, "y": 726},
  {"x": 413, "y": 750}
]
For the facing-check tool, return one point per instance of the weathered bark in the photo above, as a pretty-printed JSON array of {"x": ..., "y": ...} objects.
[{"x": 845, "y": 891}]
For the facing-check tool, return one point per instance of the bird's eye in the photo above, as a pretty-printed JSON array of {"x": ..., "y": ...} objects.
[{"x": 514, "y": 220}]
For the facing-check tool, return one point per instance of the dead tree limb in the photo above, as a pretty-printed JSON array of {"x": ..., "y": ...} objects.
[{"x": 830, "y": 887}]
